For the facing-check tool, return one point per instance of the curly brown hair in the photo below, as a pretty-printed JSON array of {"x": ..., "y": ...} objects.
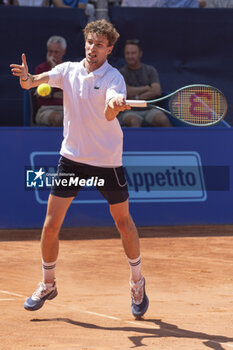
[{"x": 102, "y": 27}]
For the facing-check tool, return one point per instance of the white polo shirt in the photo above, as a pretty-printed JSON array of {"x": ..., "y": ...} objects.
[{"x": 88, "y": 136}]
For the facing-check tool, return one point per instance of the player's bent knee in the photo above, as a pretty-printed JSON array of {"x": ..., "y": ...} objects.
[
  {"x": 51, "y": 229},
  {"x": 123, "y": 225}
]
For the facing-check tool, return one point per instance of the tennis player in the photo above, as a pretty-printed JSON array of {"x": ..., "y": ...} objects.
[{"x": 94, "y": 93}]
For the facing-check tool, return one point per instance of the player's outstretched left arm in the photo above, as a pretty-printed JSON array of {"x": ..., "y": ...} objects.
[
  {"x": 27, "y": 80},
  {"x": 114, "y": 106}
]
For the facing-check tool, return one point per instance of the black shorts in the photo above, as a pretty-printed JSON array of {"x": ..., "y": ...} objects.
[{"x": 113, "y": 187}]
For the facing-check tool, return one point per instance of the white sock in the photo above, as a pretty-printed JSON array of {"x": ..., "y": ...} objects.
[
  {"x": 48, "y": 270},
  {"x": 135, "y": 268}
]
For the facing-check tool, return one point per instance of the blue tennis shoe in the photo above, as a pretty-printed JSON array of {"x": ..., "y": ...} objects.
[
  {"x": 45, "y": 291},
  {"x": 139, "y": 299}
]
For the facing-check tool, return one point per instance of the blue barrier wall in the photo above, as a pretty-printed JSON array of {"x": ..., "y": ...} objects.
[
  {"x": 203, "y": 155},
  {"x": 185, "y": 45}
]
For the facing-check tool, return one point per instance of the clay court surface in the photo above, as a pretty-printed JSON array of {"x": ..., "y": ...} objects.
[{"x": 189, "y": 273}]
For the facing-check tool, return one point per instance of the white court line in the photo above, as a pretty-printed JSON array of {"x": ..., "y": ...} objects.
[
  {"x": 10, "y": 293},
  {"x": 177, "y": 332},
  {"x": 107, "y": 316},
  {"x": 5, "y": 299}
]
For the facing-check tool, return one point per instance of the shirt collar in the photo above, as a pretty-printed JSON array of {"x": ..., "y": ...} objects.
[{"x": 97, "y": 72}]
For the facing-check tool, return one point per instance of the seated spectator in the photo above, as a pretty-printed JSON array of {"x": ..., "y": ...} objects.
[
  {"x": 82, "y": 4},
  {"x": 160, "y": 3},
  {"x": 36, "y": 3},
  {"x": 50, "y": 108},
  {"x": 216, "y": 3},
  {"x": 179, "y": 3},
  {"x": 140, "y": 3},
  {"x": 70, "y": 3},
  {"x": 142, "y": 82}
]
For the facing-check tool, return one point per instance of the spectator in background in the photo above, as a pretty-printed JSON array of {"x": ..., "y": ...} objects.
[
  {"x": 70, "y": 3},
  {"x": 160, "y": 3},
  {"x": 36, "y": 3},
  {"x": 178, "y": 3},
  {"x": 216, "y": 3},
  {"x": 142, "y": 82},
  {"x": 82, "y": 4},
  {"x": 140, "y": 3},
  {"x": 50, "y": 108}
]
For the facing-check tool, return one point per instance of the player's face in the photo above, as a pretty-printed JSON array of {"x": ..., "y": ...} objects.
[
  {"x": 55, "y": 52},
  {"x": 132, "y": 55},
  {"x": 97, "y": 49}
]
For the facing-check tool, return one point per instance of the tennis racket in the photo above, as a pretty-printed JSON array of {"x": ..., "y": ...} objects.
[{"x": 197, "y": 105}]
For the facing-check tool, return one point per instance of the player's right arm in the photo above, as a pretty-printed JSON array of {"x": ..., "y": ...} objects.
[{"x": 27, "y": 80}]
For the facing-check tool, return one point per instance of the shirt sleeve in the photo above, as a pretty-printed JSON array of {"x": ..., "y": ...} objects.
[
  {"x": 116, "y": 87},
  {"x": 154, "y": 76},
  {"x": 56, "y": 75}
]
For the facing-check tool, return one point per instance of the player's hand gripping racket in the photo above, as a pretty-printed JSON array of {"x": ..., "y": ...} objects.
[{"x": 198, "y": 105}]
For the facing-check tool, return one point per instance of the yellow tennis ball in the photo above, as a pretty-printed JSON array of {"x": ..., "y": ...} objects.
[{"x": 43, "y": 89}]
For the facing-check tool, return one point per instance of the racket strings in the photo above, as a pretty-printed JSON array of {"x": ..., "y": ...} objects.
[{"x": 198, "y": 105}]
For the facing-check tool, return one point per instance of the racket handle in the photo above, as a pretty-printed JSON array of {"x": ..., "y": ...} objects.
[{"x": 136, "y": 103}]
